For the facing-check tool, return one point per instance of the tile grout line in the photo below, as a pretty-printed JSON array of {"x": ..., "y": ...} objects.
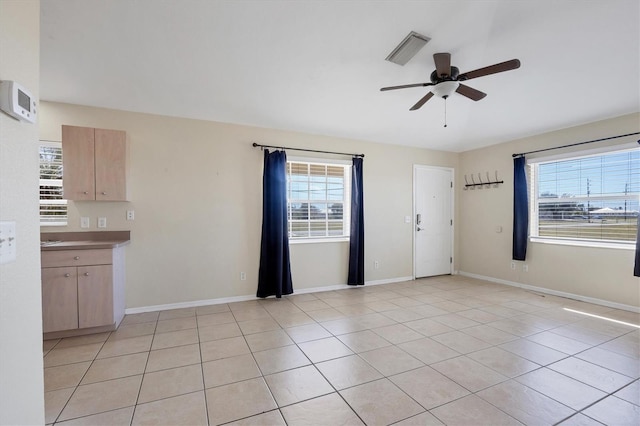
[{"x": 337, "y": 336}]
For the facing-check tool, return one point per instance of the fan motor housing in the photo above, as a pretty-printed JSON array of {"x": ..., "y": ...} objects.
[{"x": 435, "y": 78}]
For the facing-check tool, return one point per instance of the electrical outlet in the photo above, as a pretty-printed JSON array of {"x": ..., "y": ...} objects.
[
  {"x": 513, "y": 266},
  {"x": 376, "y": 264},
  {"x": 243, "y": 276},
  {"x": 84, "y": 222},
  {"x": 130, "y": 215},
  {"x": 102, "y": 222},
  {"x": 525, "y": 268}
]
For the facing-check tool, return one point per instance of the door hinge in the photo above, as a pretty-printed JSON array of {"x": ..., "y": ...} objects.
[
  {"x": 451, "y": 260},
  {"x": 451, "y": 222},
  {"x": 451, "y": 184}
]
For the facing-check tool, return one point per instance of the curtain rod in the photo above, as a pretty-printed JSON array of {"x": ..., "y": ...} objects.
[
  {"x": 307, "y": 150},
  {"x": 575, "y": 144}
]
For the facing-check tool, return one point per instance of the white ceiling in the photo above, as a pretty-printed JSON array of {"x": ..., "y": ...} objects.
[{"x": 317, "y": 66}]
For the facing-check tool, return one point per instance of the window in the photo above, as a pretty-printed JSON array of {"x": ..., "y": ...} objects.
[
  {"x": 590, "y": 198},
  {"x": 318, "y": 199},
  {"x": 53, "y": 209}
]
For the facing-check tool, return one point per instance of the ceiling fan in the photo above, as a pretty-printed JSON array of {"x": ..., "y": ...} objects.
[{"x": 447, "y": 79}]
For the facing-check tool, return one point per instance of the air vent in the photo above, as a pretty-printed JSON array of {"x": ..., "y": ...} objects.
[{"x": 407, "y": 48}]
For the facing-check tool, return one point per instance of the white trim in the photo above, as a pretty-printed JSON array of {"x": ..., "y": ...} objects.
[
  {"x": 206, "y": 302},
  {"x": 192, "y": 304},
  {"x": 295, "y": 241},
  {"x": 554, "y": 292},
  {"x": 582, "y": 153},
  {"x": 318, "y": 160},
  {"x": 631, "y": 245},
  {"x": 389, "y": 281}
]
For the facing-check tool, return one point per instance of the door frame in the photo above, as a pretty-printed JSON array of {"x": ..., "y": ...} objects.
[{"x": 451, "y": 170}]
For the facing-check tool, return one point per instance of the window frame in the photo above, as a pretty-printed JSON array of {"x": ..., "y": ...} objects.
[
  {"x": 346, "y": 210},
  {"x": 534, "y": 206},
  {"x": 48, "y": 182}
]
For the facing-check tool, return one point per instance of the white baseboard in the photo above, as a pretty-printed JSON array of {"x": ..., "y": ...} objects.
[
  {"x": 196, "y": 303},
  {"x": 554, "y": 292}
]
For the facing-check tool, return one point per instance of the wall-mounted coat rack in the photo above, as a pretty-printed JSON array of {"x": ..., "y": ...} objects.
[{"x": 480, "y": 183}]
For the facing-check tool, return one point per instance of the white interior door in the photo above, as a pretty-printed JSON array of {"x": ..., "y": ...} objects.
[{"x": 433, "y": 221}]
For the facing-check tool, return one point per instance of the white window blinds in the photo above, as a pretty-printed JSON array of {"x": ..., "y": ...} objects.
[
  {"x": 317, "y": 200},
  {"x": 593, "y": 198},
  {"x": 53, "y": 208}
]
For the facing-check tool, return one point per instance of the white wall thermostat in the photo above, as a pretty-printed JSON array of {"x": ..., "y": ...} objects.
[{"x": 17, "y": 101}]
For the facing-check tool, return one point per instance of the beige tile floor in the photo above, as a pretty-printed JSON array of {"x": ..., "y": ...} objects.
[{"x": 445, "y": 350}]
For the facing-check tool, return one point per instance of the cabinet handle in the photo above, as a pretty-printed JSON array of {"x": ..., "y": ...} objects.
[
  {"x": 85, "y": 192},
  {"x": 86, "y": 274},
  {"x": 67, "y": 275},
  {"x": 76, "y": 257},
  {"x": 104, "y": 193}
]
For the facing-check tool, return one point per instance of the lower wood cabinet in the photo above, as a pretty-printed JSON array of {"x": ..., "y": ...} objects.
[
  {"x": 95, "y": 296},
  {"x": 82, "y": 290},
  {"x": 59, "y": 299}
]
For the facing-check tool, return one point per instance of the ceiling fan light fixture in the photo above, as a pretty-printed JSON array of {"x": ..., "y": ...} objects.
[
  {"x": 445, "y": 88},
  {"x": 407, "y": 48}
]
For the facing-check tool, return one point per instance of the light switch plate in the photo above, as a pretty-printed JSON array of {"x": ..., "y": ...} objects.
[
  {"x": 7, "y": 242},
  {"x": 84, "y": 222},
  {"x": 102, "y": 222}
]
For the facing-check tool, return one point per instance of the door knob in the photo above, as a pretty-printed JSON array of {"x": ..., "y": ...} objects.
[{"x": 418, "y": 228}]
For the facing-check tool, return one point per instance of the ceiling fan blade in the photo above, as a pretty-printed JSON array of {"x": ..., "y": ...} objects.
[
  {"x": 443, "y": 63},
  {"x": 422, "y": 101},
  {"x": 492, "y": 69},
  {"x": 470, "y": 92},
  {"x": 405, "y": 86}
]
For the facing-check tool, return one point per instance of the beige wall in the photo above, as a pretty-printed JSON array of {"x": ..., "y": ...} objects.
[
  {"x": 196, "y": 191},
  {"x": 21, "y": 379},
  {"x": 600, "y": 273}
]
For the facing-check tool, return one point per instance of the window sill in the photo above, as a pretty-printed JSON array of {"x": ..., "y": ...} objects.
[
  {"x": 576, "y": 243},
  {"x": 318, "y": 240}
]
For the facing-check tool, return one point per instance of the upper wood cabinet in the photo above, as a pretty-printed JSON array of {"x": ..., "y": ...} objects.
[{"x": 94, "y": 164}]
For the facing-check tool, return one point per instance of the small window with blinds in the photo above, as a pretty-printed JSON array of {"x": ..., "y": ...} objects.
[
  {"x": 318, "y": 200},
  {"x": 53, "y": 208},
  {"x": 592, "y": 198}
]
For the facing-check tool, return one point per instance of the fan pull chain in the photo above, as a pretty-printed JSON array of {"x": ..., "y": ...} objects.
[{"x": 445, "y": 111}]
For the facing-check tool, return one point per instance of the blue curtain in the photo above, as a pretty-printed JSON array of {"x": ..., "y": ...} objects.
[
  {"x": 356, "y": 239},
  {"x": 274, "y": 278},
  {"x": 520, "y": 209},
  {"x": 636, "y": 269}
]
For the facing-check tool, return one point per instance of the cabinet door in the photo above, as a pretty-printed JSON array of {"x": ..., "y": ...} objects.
[
  {"x": 95, "y": 295},
  {"x": 78, "y": 179},
  {"x": 59, "y": 299},
  {"x": 110, "y": 165}
]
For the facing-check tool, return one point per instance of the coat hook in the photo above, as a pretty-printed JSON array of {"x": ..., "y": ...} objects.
[
  {"x": 488, "y": 181},
  {"x": 466, "y": 182},
  {"x": 474, "y": 182},
  {"x": 496, "y": 185},
  {"x": 480, "y": 179}
]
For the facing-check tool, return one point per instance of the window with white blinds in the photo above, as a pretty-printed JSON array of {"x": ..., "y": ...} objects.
[
  {"x": 318, "y": 200},
  {"x": 587, "y": 198},
  {"x": 53, "y": 208}
]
